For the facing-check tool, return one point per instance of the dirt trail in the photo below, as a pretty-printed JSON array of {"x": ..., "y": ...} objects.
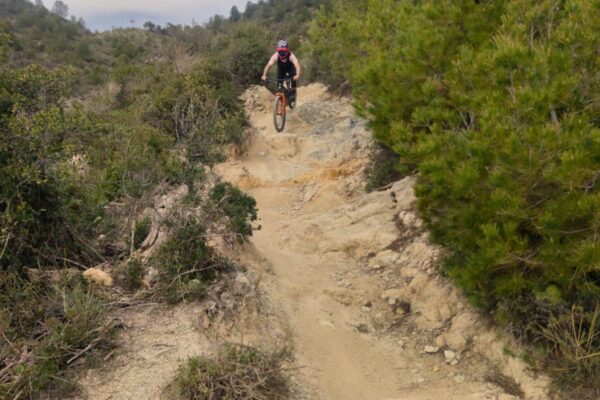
[
  {"x": 352, "y": 277},
  {"x": 354, "y": 274}
]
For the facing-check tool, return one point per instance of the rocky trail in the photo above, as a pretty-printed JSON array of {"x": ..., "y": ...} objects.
[{"x": 349, "y": 276}]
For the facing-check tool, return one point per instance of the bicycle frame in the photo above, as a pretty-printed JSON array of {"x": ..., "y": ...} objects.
[{"x": 282, "y": 92}]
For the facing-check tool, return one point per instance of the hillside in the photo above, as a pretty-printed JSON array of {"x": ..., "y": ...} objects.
[
  {"x": 433, "y": 234},
  {"x": 94, "y": 127},
  {"x": 349, "y": 278},
  {"x": 494, "y": 105}
]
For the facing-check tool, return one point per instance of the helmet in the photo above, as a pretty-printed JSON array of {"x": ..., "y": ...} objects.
[{"x": 283, "y": 50}]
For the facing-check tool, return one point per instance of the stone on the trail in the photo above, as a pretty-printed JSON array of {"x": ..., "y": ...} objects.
[
  {"x": 445, "y": 312},
  {"x": 449, "y": 355},
  {"x": 396, "y": 294},
  {"x": 383, "y": 260},
  {"x": 410, "y": 219},
  {"x": 459, "y": 379},
  {"x": 241, "y": 284},
  {"x": 440, "y": 341},
  {"x": 431, "y": 349},
  {"x": 454, "y": 362},
  {"x": 97, "y": 276},
  {"x": 404, "y": 194}
]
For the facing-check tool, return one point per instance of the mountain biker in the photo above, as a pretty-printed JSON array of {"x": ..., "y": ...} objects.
[{"x": 287, "y": 65}]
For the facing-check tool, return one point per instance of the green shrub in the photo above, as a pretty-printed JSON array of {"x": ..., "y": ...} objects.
[
  {"x": 494, "y": 104},
  {"x": 382, "y": 168},
  {"x": 141, "y": 231},
  {"x": 238, "y": 208},
  {"x": 185, "y": 264},
  {"x": 238, "y": 372},
  {"x": 132, "y": 275}
]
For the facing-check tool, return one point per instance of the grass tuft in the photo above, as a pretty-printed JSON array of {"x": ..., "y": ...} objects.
[{"x": 237, "y": 372}]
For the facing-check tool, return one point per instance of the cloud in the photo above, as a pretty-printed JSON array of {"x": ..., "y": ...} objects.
[{"x": 104, "y": 14}]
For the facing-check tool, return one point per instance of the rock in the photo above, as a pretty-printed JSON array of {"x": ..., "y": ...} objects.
[
  {"x": 461, "y": 330},
  {"x": 459, "y": 379},
  {"x": 410, "y": 219},
  {"x": 445, "y": 312},
  {"x": 241, "y": 284},
  {"x": 454, "y": 362},
  {"x": 360, "y": 327},
  {"x": 396, "y": 294},
  {"x": 431, "y": 349},
  {"x": 440, "y": 341},
  {"x": 99, "y": 277},
  {"x": 404, "y": 194},
  {"x": 449, "y": 355},
  {"x": 385, "y": 259}
]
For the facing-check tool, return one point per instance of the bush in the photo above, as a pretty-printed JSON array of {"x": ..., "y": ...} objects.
[
  {"x": 238, "y": 208},
  {"x": 494, "y": 103},
  {"x": 185, "y": 264},
  {"x": 48, "y": 321},
  {"x": 132, "y": 275},
  {"x": 141, "y": 231},
  {"x": 238, "y": 372},
  {"x": 382, "y": 168}
]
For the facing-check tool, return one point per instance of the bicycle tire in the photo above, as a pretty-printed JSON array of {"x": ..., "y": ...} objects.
[{"x": 279, "y": 113}]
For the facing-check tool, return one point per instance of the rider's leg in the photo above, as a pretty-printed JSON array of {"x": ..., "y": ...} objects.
[
  {"x": 292, "y": 73},
  {"x": 281, "y": 74}
]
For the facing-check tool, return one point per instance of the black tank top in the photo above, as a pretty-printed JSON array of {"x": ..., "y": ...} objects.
[{"x": 286, "y": 66}]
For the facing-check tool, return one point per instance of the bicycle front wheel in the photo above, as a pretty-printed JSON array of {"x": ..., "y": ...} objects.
[{"x": 279, "y": 113}]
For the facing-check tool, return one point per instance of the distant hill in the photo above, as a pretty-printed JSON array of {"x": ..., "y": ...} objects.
[{"x": 40, "y": 36}]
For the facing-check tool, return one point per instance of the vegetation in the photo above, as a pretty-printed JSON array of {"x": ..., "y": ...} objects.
[
  {"x": 237, "y": 372},
  {"x": 93, "y": 126},
  {"x": 238, "y": 208},
  {"x": 185, "y": 264},
  {"x": 48, "y": 320},
  {"x": 494, "y": 103}
]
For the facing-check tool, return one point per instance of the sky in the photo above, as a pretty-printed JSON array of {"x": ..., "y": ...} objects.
[{"x": 105, "y": 14}]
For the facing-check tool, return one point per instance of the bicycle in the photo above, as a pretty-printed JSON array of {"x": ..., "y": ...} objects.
[{"x": 285, "y": 96}]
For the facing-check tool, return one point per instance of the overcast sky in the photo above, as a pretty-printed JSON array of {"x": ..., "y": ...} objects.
[{"x": 105, "y": 14}]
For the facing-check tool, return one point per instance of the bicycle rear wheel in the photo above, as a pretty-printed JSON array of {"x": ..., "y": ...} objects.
[{"x": 279, "y": 113}]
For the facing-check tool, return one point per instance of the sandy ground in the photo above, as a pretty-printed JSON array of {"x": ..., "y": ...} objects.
[{"x": 350, "y": 276}]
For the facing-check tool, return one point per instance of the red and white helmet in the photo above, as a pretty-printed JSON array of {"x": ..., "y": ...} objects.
[{"x": 283, "y": 50}]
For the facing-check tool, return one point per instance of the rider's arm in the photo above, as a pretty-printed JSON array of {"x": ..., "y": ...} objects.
[
  {"x": 296, "y": 63},
  {"x": 271, "y": 62}
]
